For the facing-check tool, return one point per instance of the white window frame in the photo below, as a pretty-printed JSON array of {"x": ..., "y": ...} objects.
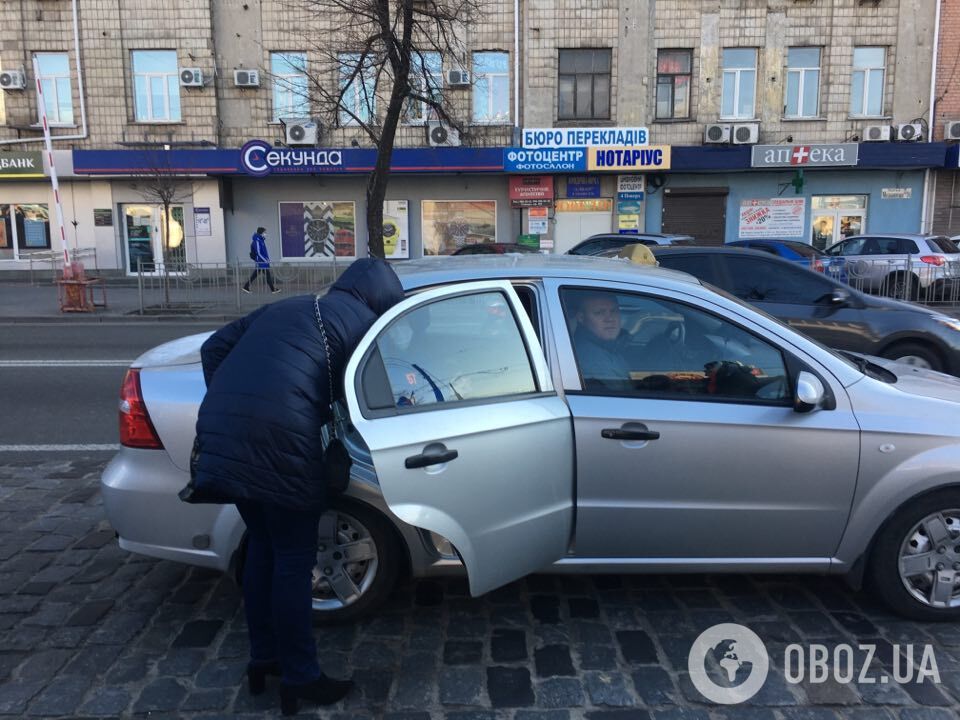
[
  {"x": 735, "y": 74},
  {"x": 803, "y": 72},
  {"x": 354, "y": 95},
  {"x": 52, "y": 100},
  {"x": 434, "y": 82},
  {"x": 283, "y": 88},
  {"x": 151, "y": 118},
  {"x": 867, "y": 71},
  {"x": 488, "y": 117}
]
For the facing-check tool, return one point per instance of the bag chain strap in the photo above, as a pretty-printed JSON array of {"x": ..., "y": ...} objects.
[{"x": 326, "y": 349}]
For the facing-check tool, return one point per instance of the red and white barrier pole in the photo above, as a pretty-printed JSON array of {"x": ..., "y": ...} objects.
[{"x": 68, "y": 270}]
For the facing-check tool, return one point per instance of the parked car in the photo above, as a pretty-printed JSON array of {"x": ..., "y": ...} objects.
[
  {"x": 494, "y": 249},
  {"x": 595, "y": 244},
  {"x": 732, "y": 443},
  {"x": 828, "y": 311},
  {"x": 908, "y": 266},
  {"x": 793, "y": 250}
]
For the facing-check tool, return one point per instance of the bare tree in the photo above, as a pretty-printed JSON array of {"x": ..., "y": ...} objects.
[{"x": 379, "y": 61}]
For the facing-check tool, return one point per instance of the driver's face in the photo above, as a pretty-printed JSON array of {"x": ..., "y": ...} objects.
[{"x": 601, "y": 316}]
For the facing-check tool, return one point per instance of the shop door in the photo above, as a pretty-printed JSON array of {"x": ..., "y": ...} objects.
[
  {"x": 836, "y": 217},
  {"x": 699, "y": 212},
  {"x": 574, "y": 227},
  {"x": 144, "y": 227}
]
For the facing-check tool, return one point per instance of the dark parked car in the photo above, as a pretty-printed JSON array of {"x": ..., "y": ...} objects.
[
  {"x": 826, "y": 310},
  {"x": 597, "y": 244},
  {"x": 494, "y": 249}
]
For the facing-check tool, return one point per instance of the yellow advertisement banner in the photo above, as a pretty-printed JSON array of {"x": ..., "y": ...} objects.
[
  {"x": 618, "y": 159},
  {"x": 592, "y": 205}
]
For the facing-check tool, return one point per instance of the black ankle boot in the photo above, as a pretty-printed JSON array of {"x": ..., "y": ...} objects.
[
  {"x": 257, "y": 676},
  {"x": 322, "y": 691}
]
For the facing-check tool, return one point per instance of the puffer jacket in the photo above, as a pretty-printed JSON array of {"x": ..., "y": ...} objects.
[{"x": 259, "y": 426}]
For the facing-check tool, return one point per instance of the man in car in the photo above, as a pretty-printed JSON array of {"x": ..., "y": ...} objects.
[{"x": 599, "y": 343}]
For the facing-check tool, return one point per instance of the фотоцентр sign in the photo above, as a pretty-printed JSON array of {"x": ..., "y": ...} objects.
[{"x": 762, "y": 156}]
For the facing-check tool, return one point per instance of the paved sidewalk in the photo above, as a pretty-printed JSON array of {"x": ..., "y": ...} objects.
[{"x": 91, "y": 631}]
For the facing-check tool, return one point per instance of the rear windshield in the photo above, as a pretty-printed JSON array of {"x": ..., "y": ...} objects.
[{"x": 946, "y": 245}]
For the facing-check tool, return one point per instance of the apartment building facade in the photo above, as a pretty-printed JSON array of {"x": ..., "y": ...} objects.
[{"x": 756, "y": 117}]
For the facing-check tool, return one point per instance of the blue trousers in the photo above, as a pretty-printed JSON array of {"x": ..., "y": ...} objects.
[{"x": 277, "y": 589}]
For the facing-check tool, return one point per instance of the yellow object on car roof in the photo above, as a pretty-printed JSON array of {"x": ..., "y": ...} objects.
[{"x": 638, "y": 253}]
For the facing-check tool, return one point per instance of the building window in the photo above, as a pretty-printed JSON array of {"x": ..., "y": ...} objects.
[
  {"x": 491, "y": 87},
  {"x": 449, "y": 225},
  {"x": 803, "y": 83},
  {"x": 156, "y": 86},
  {"x": 23, "y": 228},
  {"x": 584, "y": 85},
  {"x": 426, "y": 79},
  {"x": 673, "y": 84},
  {"x": 739, "y": 83},
  {"x": 359, "y": 104},
  {"x": 866, "y": 84},
  {"x": 57, "y": 90},
  {"x": 291, "y": 95}
]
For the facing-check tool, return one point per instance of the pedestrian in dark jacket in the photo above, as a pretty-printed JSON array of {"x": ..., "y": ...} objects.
[
  {"x": 259, "y": 446},
  {"x": 259, "y": 254}
]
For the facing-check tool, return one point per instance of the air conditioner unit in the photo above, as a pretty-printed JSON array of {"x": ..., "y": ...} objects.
[
  {"x": 458, "y": 78},
  {"x": 910, "y": 132},
  {"x": 716, "y": 134},
  {"x": 12, "y": 80},
  {"x": 191, "y": 77},
  {"x": 246, "y": 78},
  {"x": 748, "y": 134},
  {"x": 440, "y": 135},
  {"x": 951, "y": 130},
  {"x": 877, "y": 133},
  {"x": 301, "y": 132}
]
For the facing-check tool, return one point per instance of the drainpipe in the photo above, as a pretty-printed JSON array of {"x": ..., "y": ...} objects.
[
  {"x": 929, "y": 188},
  {"x": 83, "y": 104}
]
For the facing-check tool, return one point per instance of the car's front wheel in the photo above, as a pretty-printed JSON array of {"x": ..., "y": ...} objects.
[
  {"x": 915, "y": 564},
  {"x": 916, "y": 354}
]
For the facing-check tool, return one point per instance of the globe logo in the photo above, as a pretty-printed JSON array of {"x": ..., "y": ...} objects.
[{"x": 728, "y": 663}]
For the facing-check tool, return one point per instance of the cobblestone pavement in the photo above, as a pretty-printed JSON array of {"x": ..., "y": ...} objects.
[{"x": 91, "y": 631}]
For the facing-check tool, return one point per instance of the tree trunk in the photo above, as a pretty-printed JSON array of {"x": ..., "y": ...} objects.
[{"x": 165, "y": 224}]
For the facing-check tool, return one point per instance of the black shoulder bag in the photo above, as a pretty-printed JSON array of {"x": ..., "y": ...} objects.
[{"x": 336, "y": 459}]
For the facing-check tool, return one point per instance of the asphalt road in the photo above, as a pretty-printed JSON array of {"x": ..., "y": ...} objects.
[{"x": 59, "y": 383}]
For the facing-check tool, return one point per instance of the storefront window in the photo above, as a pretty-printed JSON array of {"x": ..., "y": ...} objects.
[
  {"x": 450, "y": 224},
  {"x": 318, "y": 229},
  {"x": 835, "y": 217},
  {"x": 23, "y": 228},
  {"x": 6, "y": 234}
]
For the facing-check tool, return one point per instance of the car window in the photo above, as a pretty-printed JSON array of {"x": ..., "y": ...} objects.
[
  {"x": 906, "y": 247},
  {"x": 756, "y": 280},
  {"x": 854, "y": 246},
  {"x": 765, "y": 248},
  {"x": 461, "y": 348},
  {"x": 591, "y": 247},
  {"x": 634, "y": 345},
  {"x": 700, "y": 266},
  {"x": 944, "y": 245},
  {"x": 804, "y": 250}
]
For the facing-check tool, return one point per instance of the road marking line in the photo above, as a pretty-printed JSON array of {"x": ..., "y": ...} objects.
[
  {"x": 57, "y": 448},
  {"x": 63, "y": 363}
]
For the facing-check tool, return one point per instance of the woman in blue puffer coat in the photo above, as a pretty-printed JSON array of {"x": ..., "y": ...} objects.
[{"x": 259, "y": 446}]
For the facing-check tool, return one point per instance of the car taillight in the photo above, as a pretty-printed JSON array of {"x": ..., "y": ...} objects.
[
  {"x": 933, "y": 260},
  {"x": 817, "y": 265},
  {"x": 136, "y": 430}
]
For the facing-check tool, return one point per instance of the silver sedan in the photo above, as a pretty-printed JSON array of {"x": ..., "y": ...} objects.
[{"x": 534, "y": 413}]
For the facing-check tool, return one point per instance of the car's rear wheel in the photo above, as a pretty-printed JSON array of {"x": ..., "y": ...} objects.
[
  {"x": 916, "y": 354},
  {"x": 902, "y": 285},
  {"x": 915, "y": 564}
]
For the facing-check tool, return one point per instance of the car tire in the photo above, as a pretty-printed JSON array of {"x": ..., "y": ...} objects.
[
  {"x": 354, "y": 518},
  {"x": 902, "y": 286},
  {"x": 914, "y": 353},
  {"x": 904, "y": 536}
]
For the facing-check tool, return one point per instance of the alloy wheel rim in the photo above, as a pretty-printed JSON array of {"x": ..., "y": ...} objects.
[
  {"x": 347, "y": 561},
  {"x": 929, "y": 562}
]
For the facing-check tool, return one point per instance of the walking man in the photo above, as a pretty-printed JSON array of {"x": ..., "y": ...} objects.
[{"x": 259, "y": 254}]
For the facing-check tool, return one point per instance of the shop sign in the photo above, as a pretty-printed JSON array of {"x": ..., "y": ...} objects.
[
  {"x": 537, "y": 217},
  {"x": 763, "y": 156},
  {"x": 629, "y": 207},
  {"x": 629, "y": 224},
  {"x": 582, "y": 137},
  {"x": 531, "y": 190},
  {"x": 568, "y": 159},
  {"x": 259, "y": 158},
  {"x": 583, "y": 186},
  {"x": 201, "y": 221},
  {"x": 630, "y": 184},
  {"x": 776, "y": 217},
  {"x": 598, "y": 205},
  {"x": 18, "y": 164},
  {"x": 896, "y": 193},
  {"x": 102, "y": 217},
  {"x": 611, "y": 159}
]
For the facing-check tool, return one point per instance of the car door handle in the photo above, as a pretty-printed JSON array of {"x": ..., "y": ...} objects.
[
  {"x": 426, "y": 459},
  {"x": 629, "y": 434}
]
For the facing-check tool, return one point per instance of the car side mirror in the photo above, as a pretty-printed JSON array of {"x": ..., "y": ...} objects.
[{"x": 809, "y": 393}]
